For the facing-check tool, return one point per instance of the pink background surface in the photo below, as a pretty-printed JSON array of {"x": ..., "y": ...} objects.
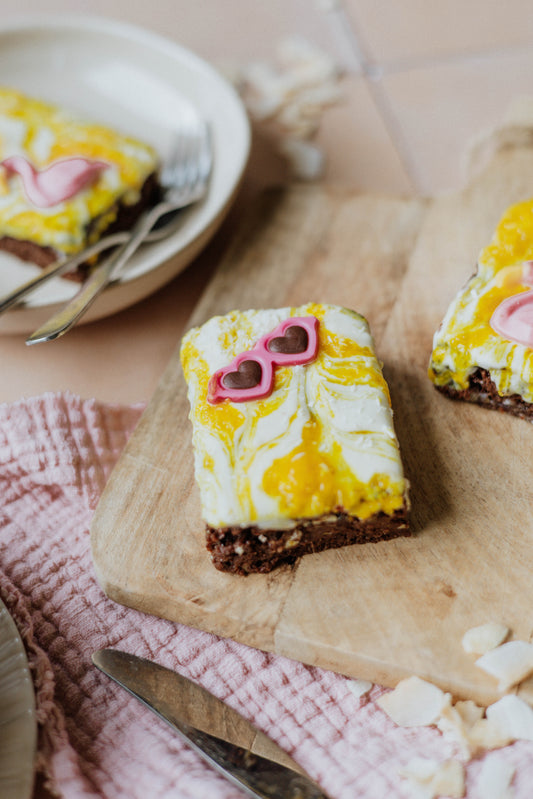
[{"x": 95, "y": 740}]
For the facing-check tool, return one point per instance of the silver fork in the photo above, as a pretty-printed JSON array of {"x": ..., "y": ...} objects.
[
  {"x": 64, "y": 265},
  {"x": 184, "y": 179}
]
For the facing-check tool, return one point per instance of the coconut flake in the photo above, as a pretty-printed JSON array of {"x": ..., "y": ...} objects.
[
  {"x": 513, "y": 716},
  {"x": 479, "y": 640},
  {"x": 299, "y": 57},
  {"x": 509, "y": 663},
  {"x": 420, "y": 769},
  {"x": 449, "y": 780},
  {"x": 428, "y": 778},
  {"x": 261, "y": 77},
  {"x": 456, "y": 722},
  {"x": 469, "y": 712},
  {"x": 495, "y": 779},
  {"x": 294, "y": 122},
  {"x": 414, "y": 703},
  {"x": 306, "y": 161},
  {"x": 419, "y": 772},
  {"x": 359, "y": 687},
  {"x": 487, "y": 734}
]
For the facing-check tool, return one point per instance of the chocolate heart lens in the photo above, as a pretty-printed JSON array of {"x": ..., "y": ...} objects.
[
  {"x": 248, "y": 375},
  {"x": 294, "y": 340}
]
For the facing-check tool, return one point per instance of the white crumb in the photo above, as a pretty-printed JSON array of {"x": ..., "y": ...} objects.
[
  {"x": 479, "y": 640},
  {"x": 414, "y": 703},
  {"x": 359, "y": 687},
  {"x": 509, "y": 663}
]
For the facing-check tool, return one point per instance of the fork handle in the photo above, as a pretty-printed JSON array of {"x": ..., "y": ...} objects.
[
  {"x": 59, "y": 268},
  {"x": 100, "y": 277}
]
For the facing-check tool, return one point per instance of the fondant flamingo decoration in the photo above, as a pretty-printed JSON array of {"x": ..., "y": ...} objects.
[
  {"x": 513, "y": 318},
  {"x": 57, "y": 182}
]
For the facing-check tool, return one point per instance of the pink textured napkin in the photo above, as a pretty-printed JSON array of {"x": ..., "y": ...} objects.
[{"x": 56, "y": 453}]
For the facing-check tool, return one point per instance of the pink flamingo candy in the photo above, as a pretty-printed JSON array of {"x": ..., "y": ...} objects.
[
  {"x": 513, "y": 318},
  {"x": 57, "y": 182}
]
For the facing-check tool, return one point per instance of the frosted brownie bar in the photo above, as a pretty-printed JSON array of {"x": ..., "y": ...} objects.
[
  {"x": 294, "y": 446},
  {"x": 65, "y": 182},
  {"x": 483, "y": 350}
]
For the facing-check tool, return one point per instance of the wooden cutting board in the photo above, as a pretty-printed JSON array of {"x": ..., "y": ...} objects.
[{"x": 379, "y": 611}]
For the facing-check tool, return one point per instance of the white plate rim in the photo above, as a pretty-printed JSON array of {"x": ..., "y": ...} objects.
[
  {"x": 21, "y": 727},
  {"x": 163, "y": 261}
]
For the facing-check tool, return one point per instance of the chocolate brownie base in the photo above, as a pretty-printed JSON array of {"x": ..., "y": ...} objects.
[
  {"x": 126, "y": 217},
  {"x": 243, "y": 550},
  {"x": 28, "y": 251},
  {"x": 483, "y": 391}
]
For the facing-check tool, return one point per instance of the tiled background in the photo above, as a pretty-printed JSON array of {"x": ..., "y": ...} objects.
[{"x": 422, "y": 79}]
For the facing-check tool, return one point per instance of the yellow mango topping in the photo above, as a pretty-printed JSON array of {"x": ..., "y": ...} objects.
[
  {"x": 314, "y": 480},
  {"x": 513, "y": 239}
]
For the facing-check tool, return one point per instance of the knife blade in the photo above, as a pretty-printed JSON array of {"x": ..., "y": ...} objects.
[{"x": 173, "y": 697}]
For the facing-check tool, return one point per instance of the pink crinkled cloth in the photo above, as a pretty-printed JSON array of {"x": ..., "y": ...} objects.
[{"x": 56, "y": 452}]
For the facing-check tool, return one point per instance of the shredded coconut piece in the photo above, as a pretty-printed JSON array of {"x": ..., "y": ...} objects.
[
  {"x": 487, "y": 734},
  {"x": 419, "y": 768},
  {"x": 428, "y": 778},
  {"x": 359, "y": 687},
  {"x": 495, "y": 779},
  {"x": 414, "y": 703},
  {"x": 479, "y": 640},
  {"x": 456, "y": 722},
  {"x": 464, "y": 723},
  {"x": 509, "y": 663},
  {"x": 306, "y": 160},
  {"x": 469, "y": 712},
  {"x": 513, "y": 717}
]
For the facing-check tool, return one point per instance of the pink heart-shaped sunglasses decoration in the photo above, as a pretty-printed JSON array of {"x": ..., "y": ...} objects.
[
  {"x": 513, "y": 318},
  {"x": 250, "y": 375}
]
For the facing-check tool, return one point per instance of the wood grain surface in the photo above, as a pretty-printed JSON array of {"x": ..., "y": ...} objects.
[{"x": 379, "y": 611}]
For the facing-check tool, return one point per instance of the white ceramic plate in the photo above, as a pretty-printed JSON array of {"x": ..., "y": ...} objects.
[
  {"x": 18, "y": 726},
  {"x": 141, "y": 84}
]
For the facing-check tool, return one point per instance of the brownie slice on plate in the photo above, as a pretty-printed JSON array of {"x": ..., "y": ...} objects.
[{"x": 65, "y": 182}]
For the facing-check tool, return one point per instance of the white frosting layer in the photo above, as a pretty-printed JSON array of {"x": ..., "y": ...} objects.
[{"x": 333, "y": 413}]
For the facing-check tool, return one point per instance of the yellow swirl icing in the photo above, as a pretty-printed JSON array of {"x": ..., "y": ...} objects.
[
  {"x": 223, "y": 419},
  {"x": 513, "y": 239},
  {"x": 314, "y": 480}
]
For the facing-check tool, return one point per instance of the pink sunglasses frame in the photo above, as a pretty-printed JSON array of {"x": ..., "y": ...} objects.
[{"x": 267, "y": 360}]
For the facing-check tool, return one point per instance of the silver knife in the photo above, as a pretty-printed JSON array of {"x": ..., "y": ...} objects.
[{"x": 173, "y": 697}]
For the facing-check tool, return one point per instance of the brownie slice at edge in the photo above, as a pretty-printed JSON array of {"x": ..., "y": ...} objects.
[
  {"x": 247, "y": 550},
  {"x": 482, "y": 391}
]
